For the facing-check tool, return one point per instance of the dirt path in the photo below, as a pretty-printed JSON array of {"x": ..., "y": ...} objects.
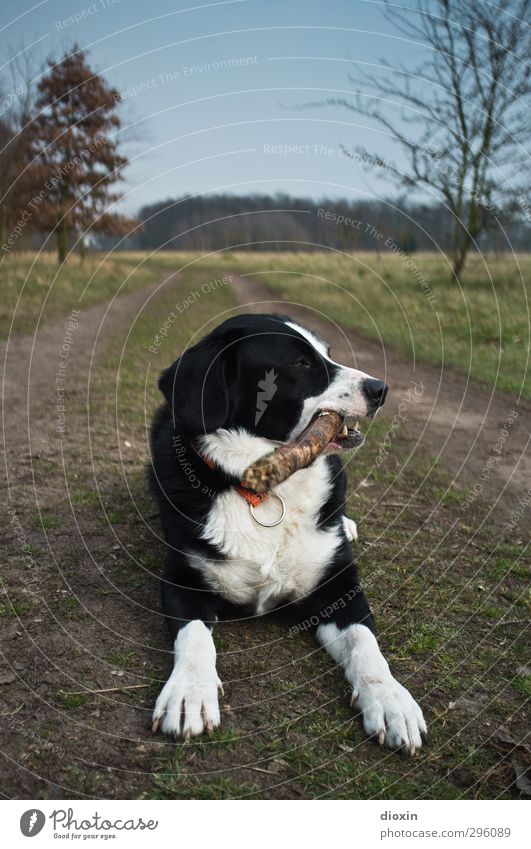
[
  {"x": 31, "y": 364},
  {"x": 481, "y": 437},
  {"x": 70, "y": 609}
]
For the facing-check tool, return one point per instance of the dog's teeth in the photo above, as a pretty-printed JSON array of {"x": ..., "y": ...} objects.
[
  {"x": 357, "y": 425},
  {"x": 344, "y": 430}
]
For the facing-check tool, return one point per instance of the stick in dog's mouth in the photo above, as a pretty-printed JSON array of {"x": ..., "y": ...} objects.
[{"x": 327, "y": 433}]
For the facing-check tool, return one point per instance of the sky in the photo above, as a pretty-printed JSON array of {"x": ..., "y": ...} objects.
[{"x": 218, "y": 96}]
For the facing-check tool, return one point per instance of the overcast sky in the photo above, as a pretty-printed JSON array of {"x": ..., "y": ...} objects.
[{"x": 212, "y": 90}]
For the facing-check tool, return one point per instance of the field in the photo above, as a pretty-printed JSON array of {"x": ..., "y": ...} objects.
[
  {"x": 36, "y": 289},
  {"x": 84, "y": 642},
  {"x": 481, "y": 328}
]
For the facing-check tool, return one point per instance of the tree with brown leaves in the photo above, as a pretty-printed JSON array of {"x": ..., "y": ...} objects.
[{"x": 76, "y": 159}]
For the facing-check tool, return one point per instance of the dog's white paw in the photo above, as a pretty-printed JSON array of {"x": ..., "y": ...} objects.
[
  {"x": 351, "y": 529},
  {"x": 391, "y": 714},
  {"x": 188, "y": 702},
  {"x": 187, "y": 705},
  {"x": 388, "y": 710}
]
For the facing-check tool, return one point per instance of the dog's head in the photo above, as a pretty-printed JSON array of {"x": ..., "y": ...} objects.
[{"x": 269, "y": 375}]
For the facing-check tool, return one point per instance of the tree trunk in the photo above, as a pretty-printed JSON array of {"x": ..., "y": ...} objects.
[
  {"x": 459, "y": 264},
  {"x": 62, "y": 241},
  {"x": 61, "y": 246},
  {"x": 464, "y": 238}
]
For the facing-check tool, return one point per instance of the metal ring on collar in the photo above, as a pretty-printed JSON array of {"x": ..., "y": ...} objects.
[{"x": 270, "y": 524}]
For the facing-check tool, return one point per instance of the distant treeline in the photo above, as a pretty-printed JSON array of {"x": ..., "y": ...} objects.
[{"x": 284, "y": 223}]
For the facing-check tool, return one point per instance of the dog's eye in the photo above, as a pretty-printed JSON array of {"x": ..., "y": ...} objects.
[{"x": 302, "y": 362}]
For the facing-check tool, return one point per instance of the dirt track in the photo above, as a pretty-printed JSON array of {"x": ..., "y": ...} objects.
[
  {"x": 58, "y": 564},
  {"x": 450, "y": 417}
]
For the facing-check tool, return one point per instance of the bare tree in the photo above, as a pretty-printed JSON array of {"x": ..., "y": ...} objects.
[{"x": 463, "y": 115}]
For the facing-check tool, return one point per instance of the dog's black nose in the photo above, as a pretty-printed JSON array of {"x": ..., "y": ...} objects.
[{"x": 375, "y": 390}]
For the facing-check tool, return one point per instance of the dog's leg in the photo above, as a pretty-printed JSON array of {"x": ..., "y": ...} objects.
[
  {"x": 188, "y": 703},
  {"x": 351, "y": 529},
  {"x": 346, "y": 630},
  {"x": 389, "y": 711}
]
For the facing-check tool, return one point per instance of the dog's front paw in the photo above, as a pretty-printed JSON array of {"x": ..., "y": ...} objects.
[
  {"x": 188, "y": 702},
  {"x": 391, "y": 714},
  {"x": 350, "y": 528}
]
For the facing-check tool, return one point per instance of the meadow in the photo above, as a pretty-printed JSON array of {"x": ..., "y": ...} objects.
[
  {"x": 411, "y": 305},
  {"x": 450, "y": 593},
  {"x": 481, "y": 327}
]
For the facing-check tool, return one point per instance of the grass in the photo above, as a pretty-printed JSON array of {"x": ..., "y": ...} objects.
[
  {"x": 14, "y": 608},
  {"x": 288, "y": 730},
  {"x": 481, "y": 328},
  {"x": 35, "y": 289},
  {"x": 71, "y": 700},
  {"x": 49, "y": 522},
  {"x": 523, "y": 686}
]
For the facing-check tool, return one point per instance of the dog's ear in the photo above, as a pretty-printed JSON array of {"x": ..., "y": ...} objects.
[{"x": 196, "y": 386}]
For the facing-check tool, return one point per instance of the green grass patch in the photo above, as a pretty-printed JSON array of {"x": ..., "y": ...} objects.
[
  {"x": 68, "y": 608},
  {"x": 14, "y": 608},
  {"x": 523, "y": 686},
  {"x": 49, "y": 522},
  {"x": 72, "y": 700}
]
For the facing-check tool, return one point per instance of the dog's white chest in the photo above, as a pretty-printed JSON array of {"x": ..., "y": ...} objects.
[{"x": 265, "y": 566}]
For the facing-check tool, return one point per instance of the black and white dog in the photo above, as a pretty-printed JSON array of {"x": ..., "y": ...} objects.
[{"x": 254, "y": 382}]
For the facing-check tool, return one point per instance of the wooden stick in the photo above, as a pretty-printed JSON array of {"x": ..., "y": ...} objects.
[
  {"x": 510, "y": 622},
  {"x": 12, "y": 712},
  {"x": 280, "y": 464},
  {"x": 108, "y": 690}
]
